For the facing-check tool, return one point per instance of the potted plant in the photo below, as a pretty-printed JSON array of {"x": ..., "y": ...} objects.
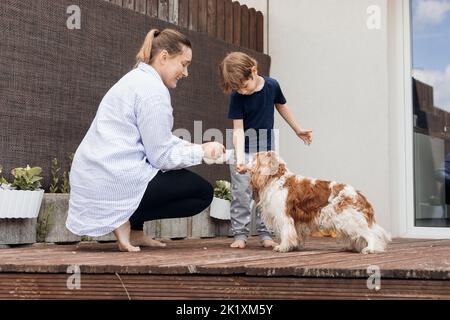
[
  {"x": 434, "y": 208},
  {"x": 51, "y": 222},
  {"x": 220, "y": 206},
  {"x": 22, "y": 198}
]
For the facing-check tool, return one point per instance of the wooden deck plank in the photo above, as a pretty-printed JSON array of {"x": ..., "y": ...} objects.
[
  {"x": 35, "y": 286},
  {"x": 401, "y": 250},
  {"x": 321, "y": 257}
]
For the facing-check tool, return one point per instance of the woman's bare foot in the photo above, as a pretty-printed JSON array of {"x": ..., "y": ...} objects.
[
  {"x": 238, "y": 244},
  {"x": 268, "y": 243},
  {"x": 128, "y": 248},
  {"x": 122, "y": 234},
  {"x": 138, "y": 238}
]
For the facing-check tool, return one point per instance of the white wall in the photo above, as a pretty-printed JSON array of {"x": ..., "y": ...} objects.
[
  {"x": 400, "y": 132},
  {"x": 333, "y": 71}
]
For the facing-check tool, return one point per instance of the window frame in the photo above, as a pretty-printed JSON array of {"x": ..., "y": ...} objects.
[{"x": 407, "y": 222}]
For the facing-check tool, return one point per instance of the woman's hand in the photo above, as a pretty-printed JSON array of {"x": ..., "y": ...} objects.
[
  {"x": 305, "y": 135},
  {"x": 213, "y": 150}
]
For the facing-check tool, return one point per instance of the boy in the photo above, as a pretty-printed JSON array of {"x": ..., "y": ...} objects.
[{"x": 252, "y": 109}]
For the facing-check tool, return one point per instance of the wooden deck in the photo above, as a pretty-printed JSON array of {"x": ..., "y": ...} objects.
[{"x": 209, "y": 269}]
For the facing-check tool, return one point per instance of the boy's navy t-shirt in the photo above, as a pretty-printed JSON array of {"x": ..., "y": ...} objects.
[{"x": 257, "y": 112}]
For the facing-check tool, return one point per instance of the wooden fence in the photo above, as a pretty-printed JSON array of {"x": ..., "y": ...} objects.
[{"x": 223, "y": 19}]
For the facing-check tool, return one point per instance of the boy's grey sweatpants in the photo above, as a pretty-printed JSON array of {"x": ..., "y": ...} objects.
[{"x": 241, "y": 206}]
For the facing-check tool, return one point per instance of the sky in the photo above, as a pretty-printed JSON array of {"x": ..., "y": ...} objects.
[{"x": 431, "y": 47}]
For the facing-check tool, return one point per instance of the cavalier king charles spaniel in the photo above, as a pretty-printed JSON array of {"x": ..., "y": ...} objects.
[{"x": 295, "y": 206}]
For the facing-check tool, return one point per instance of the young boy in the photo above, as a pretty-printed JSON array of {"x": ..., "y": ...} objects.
[{"x": 252, "y": 109}]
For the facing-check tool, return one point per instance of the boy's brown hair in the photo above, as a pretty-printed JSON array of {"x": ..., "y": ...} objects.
[{"x": 234, "y": 70}]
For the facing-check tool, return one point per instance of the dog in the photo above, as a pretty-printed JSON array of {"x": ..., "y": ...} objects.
[{"x": 295, "y": 206}]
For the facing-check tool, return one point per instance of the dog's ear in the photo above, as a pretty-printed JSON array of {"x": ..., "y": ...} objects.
[
  {"x": 281, "y": 168},
  {"x": 276, "y": 164},
  {"x": 255, "y": 182},
  {"x": 273, "y": 162}
]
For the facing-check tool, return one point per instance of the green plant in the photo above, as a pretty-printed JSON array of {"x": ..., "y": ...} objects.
[
  {"x": 44, "y": 222},
  {"x": 66, "y": 183},
  {"x": 65, "y": 188},
  {"x": 27, "y": 178},
  {"x": 54, "y": 170},
  {"x": 222, "y": 190},
  {"x": 435, "y": 201},
  {"x": 2, "y": 180}
]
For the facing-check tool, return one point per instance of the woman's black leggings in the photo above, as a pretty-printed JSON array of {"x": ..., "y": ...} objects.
[{"x": 172, "y": 194}]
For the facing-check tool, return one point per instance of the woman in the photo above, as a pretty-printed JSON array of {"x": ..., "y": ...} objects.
[{"x": 120, "y": 175}]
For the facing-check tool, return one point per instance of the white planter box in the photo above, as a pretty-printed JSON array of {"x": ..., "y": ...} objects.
[
  {"x": 427, "y": 211},
  {"x": 20, "y": 203},
  {"x": 220, "y": 209}
]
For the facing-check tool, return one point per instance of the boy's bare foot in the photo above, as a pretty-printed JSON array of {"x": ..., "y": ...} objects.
[
  {"x": 138, "y": 238},
  {"x": 122, "y": 234},
  {"x": 268, "y": 243},
  {"x": 238, "y": 244}
]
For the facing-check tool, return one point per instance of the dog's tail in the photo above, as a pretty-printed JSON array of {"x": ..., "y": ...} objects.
[{"x": 381, "y": 236}]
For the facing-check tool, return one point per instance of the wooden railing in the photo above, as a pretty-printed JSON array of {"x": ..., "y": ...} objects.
[{"x": 223, "y": 19}]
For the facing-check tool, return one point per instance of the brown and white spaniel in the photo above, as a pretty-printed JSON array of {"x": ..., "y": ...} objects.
[{"x": 295, "y": 206}]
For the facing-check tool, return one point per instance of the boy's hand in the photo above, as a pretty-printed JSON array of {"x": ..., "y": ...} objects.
[
  {"x": 305, "y": 135},
  {"x": 241, "y": 168}
]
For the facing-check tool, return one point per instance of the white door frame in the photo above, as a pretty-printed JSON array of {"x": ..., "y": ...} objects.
[{"x": 405, "y": 225}]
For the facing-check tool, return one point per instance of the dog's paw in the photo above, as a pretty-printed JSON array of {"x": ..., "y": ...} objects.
[
  {"x": 367, "y": 250},
  {"x": 281, "y": 248}
]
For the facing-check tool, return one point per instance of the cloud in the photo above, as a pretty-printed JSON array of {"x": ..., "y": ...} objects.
[
  {"x": 440, "y": 81},
  {"x": 431, "y": 11}
]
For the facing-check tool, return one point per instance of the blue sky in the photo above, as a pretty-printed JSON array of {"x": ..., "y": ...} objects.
[
  {"x": 431, "y": 38},
  {"x": 431, "y": 47}
]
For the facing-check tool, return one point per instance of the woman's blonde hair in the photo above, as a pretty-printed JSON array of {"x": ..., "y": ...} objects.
[
  {"x": 234, "y": 70},
  {"x": 156, "y": 41}
]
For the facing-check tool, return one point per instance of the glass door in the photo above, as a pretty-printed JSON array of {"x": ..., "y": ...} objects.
[{"x": 430, "y": 34}]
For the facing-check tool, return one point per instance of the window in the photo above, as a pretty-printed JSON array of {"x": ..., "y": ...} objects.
[{"x": 431, "y": 109}]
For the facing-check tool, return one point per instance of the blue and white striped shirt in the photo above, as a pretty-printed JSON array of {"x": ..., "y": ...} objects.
[{"x": 128, "y": 142}]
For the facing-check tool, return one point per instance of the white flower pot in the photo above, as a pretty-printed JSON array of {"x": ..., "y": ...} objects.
[
  {"x": 20, "y": 203},
  {"x": 427, "y": 211},
  {"x": 220, "y": 209}
]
